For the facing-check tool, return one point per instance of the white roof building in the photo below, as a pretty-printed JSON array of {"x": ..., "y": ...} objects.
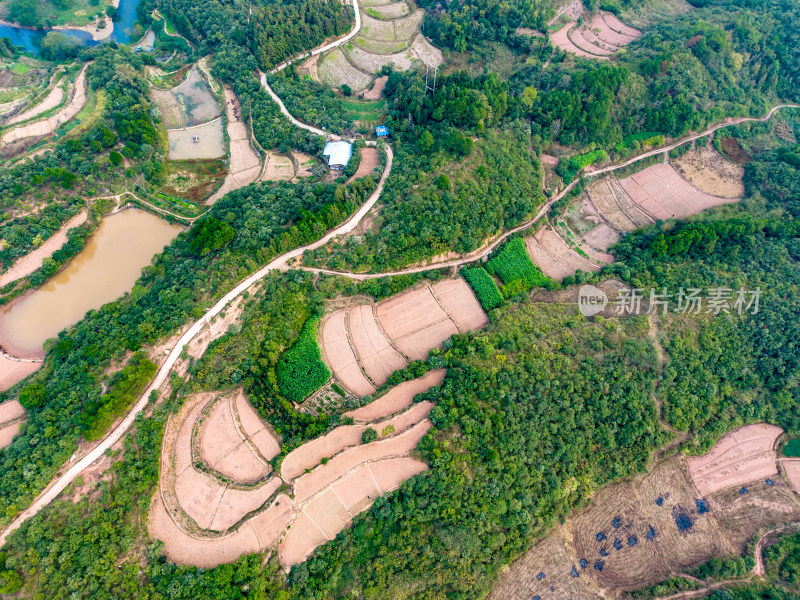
[{"x": 338, "y": 154}]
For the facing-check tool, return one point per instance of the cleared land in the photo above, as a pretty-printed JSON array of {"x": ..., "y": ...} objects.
[
  {"x": 553, "y": 256},
  {"x": 205, "y": 520},
  {"x": 792, "y": 469},
  {"x": 330, "y": 512},
  {"x": 305, "y": 164},
  {"x": 14, "y": 371},
  {"x": 363, "y": 347},
  {"x": 398, "y": 398},
  {"x": 708, "y": 171},
  {"x": 740, "y": 457},
  {"x": 12, "y": 417},
  {"x": 370, "y": 158},
  {"x": 603, "y": 37},
  {"x": 53, "y": 99},
  {"x": 375, "y": 92},
  {"x": 640, "y": 532},
  {"x": 392, "y": 10},
  {"x": 171, "y": 115},
  {"x": 210, "y": 144},
  {"x": 662, "y": 193},
  {"x": 245, "y": 165},
  {"x": 49, "y": 125},
  {"x": 279, "y": 168},
  {"x": 335, "y": 70}
]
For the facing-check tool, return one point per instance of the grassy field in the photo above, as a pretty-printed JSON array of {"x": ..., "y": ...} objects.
[
  {"x": 194, "y": 180},
  {"x": 365, "y": 111},
  {"x": 20, "y": 69}
]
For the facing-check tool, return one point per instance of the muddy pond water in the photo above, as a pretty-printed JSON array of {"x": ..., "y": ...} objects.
[{"x": 104, "y": 270}]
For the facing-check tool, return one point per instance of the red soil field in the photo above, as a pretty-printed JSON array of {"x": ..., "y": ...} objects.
[
  {"x": 370, "y": 158},
  {"x": 662, "y": 193},
  {"x": 373, "y": 349},
  {"x": 577, "y": 38},
  {"x": 792, "y": 468},
  {"x": 226, "y": 451},
  {"x": 14, "y": 371},
  {"x": 456, "y": 297},
  {"x": 327, "y": 514},
  {"x": 311, "y": 453},
  {"x": 398, "y": 398},
  {"x": 614, "y": 23},
  {"x": 557, "y": 259},
  {"x": 339, "y": 354},
  {"x": 10, "y": 411},
  {"x": 606, "y": 34},
  {"x": 363, "y": 351},
  {"x": 324, "y": 475},
  {"x": 561, "y": 40},
  {"x": 254, "y": 428},
  {"x": 377, "y": 89},
  {"x": 739, "y": 457}
]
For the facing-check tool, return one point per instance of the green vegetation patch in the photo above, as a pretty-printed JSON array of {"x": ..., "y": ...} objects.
[
  {"x": 126, "y": 386},
  {"x": 516, "y": 269},
  {"x": 568, "y": 168},
  {"x": 301, "y": 370},
  {"x": 485, "y": 288},
  {"x": 792, "y": 448},
  {"x": 637, "y": 140}
]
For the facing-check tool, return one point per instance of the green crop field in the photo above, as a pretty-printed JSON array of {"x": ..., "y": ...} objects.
[
  {"x": 301, "y": 370},
  {"x": 516, "y": 269},
  {"x": 792, "y": 448},
  {"x": 484, "y": 287}
]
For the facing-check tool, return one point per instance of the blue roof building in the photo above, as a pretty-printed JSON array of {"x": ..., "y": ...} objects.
[
  {"x": 338, "y": 154},
  {"x": 382, "y": 131}
]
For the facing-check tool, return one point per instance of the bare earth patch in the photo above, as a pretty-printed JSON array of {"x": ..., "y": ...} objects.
[
  {"x": 204, "y": 521},
  {"x": 363, "y": 348},
  {"x": 792, "y": 468},
  {"x": 376, "y": 91},
  {"x": 14, "y": 371},
  {"x": 245, "y": 165},
  {"x": 370, "y": 158},
  {"x": 662, "y": 193},
  {"x": 12, "y": 417},
  {"x": 742, "y": 456},
  {"x": 202, "y": 141},
  {"x": 709, "y": 172},
  {"x": 397, "y": 399},
  {"x": 53, "y": 99},
  {"x": 49, "y": 125}
]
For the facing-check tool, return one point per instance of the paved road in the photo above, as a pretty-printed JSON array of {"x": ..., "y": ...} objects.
[{"x": 52, "y": 491}]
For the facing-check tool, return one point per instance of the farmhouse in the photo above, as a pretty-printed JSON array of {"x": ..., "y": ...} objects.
[{"x": 338, "y": 154}]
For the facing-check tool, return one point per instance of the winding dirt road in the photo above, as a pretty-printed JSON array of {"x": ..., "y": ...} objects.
[
  {"x": 57, "y": 486},
  {"x": 282, "y": 263}
]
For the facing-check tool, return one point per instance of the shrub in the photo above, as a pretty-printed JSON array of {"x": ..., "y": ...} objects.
[
  {"x": 513, "y": 265},
  {"x": 569, "y": 167},
  {"x": 369, "y": 435},
  {"x": 792, "y": 448},
  {"x": 301, "y": 370},
  {"x": 484, "y": 287}
]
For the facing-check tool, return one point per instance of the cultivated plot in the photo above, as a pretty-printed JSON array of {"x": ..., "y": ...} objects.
[
  {"x": 707, "y": 170},
  {"x": 364, "y": 344},
  {"x": 218, "y": 500},
  {"x": 12, "y": 417},
  {"x": 740, "y": 457},
  {"x": 663, "y": 194},
  {"x": 202, "y": 141}
]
